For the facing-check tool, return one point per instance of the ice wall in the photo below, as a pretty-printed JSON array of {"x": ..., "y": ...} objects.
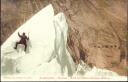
[{"x": 46, "y": 54}]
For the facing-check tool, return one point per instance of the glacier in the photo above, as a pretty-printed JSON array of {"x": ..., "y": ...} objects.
[
  {"x": 47, "y": 47},
  {"x": 47, "y": 53}
]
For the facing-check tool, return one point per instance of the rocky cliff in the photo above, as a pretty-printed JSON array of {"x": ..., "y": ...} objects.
[{"x": 97, "y": 28}]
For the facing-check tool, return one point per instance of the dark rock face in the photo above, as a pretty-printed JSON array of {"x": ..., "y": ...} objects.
[{"x": 97, "y": 28}]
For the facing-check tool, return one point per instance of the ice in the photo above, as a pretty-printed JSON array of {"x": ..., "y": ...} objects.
[
  {"x": 41, "y": 33},
  {"x": 47, "y": 54}
]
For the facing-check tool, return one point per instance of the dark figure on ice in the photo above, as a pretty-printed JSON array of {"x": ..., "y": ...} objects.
[{"x": 23, "y": 40}]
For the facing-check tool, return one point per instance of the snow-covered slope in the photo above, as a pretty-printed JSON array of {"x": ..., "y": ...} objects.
[
  {"x": 41, "y": 44},
  {"x": 84, "y": 71}
]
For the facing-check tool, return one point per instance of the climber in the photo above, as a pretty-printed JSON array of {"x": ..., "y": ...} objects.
[{"x": 23, "y": 40}]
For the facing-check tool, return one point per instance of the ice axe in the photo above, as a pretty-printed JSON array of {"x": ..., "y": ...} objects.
[{"x": 28, "y": 34}]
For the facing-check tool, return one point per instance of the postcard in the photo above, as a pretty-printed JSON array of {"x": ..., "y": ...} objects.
[{"x": 64, "y": 40}]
